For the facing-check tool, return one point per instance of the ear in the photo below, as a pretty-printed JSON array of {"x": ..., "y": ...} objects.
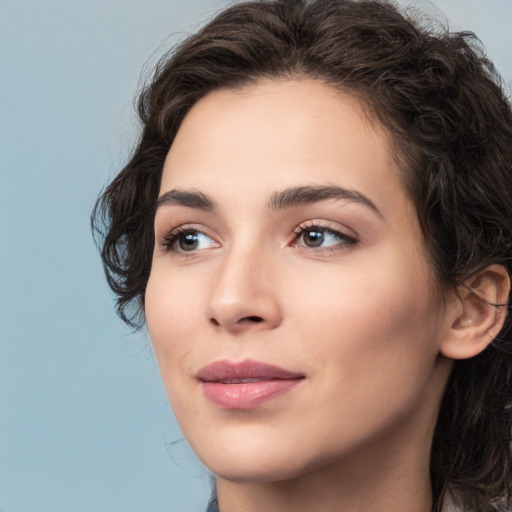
[{"x": 477, "y": 314}]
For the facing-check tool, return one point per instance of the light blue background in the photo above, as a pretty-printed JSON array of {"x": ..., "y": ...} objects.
[{"x": 84, "y": 421}]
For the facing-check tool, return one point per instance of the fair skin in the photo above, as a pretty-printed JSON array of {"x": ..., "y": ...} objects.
[{"x": 284, "y": 236}]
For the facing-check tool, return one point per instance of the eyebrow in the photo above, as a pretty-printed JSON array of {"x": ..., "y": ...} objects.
[
  {"x": 297, "y": 196},
  {"x": 188, "y": 198},
  {"x": 288, "y": 198}
]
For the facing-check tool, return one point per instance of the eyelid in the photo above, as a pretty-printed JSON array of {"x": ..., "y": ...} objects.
[
  {"x": 171, "y": 236},
  {"x": 338, "y": 230},
  {"x": 347, "y": 237}
]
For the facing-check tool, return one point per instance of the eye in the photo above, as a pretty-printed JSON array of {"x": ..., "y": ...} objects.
[
  {"x": 187, "y": 240},
  {"x": 318, "y": 237}
]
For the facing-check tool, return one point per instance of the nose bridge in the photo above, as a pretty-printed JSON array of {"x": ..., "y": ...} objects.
[{"x": 242, "y": 296}]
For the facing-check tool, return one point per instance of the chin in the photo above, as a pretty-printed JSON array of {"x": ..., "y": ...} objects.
[
  {"x": 251, "y": 462},
  {"x": 250, "y": 472},
  {"x": 263, "y": 462}
]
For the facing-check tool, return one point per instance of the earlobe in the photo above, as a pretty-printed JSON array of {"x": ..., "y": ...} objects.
[{"x": 479, "y": 315}]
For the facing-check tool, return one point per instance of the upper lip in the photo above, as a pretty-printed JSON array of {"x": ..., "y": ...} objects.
[{"x": 225, "y": 370}]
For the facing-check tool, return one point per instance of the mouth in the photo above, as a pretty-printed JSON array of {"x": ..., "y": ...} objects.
[{"x": 246, "y": 384}]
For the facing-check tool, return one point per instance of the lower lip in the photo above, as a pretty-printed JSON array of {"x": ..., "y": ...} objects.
[{"x": 246, "y": 395}]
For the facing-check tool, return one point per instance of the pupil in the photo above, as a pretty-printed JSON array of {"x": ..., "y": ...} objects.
[
  {"x": 188, "y": 242},
  {"x": 314, "y": 238}
]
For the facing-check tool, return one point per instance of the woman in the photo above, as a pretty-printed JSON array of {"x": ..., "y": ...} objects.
[{"x": 316, "y": 229}]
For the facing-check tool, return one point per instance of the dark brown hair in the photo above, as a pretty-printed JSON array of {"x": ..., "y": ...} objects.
[{"x": 440, "y": 99}]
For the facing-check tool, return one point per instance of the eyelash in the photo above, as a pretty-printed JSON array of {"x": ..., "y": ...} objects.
[
  {"x": 170, "y": 240},
  {"x": 345, "y": 240}
]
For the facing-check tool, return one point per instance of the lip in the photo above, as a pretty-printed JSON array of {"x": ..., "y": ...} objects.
[{"x": 246, "y": 384}]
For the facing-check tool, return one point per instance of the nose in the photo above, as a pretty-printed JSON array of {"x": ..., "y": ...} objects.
[{"x": 243, "y": 295}]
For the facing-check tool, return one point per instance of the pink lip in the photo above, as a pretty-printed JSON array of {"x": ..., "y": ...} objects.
[{"x": 246, "y": 384}]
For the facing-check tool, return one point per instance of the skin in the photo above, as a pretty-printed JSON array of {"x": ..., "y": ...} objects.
[{"x": 363, "y": 321}]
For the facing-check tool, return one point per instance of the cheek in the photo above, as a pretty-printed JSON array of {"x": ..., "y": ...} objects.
[
  {"x": 369, "y": 320},
  {"x": 369, "y": 336},
  {"x": 172, "y": 310}
]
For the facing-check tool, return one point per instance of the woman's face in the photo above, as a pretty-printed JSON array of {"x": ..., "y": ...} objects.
[{"x": 292, "y": 310}]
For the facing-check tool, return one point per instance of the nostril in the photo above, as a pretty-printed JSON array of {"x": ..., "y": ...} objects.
[{"x": 255, "y": 319}]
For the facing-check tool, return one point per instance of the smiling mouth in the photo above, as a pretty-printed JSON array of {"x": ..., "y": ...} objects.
[{"x": 245, "y": 385}]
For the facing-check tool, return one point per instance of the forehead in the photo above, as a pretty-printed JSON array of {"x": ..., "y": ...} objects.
[{"x": 281, "y": 133}]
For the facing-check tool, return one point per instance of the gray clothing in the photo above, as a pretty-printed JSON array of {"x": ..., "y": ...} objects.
[{"x": 213, "y": 504}]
